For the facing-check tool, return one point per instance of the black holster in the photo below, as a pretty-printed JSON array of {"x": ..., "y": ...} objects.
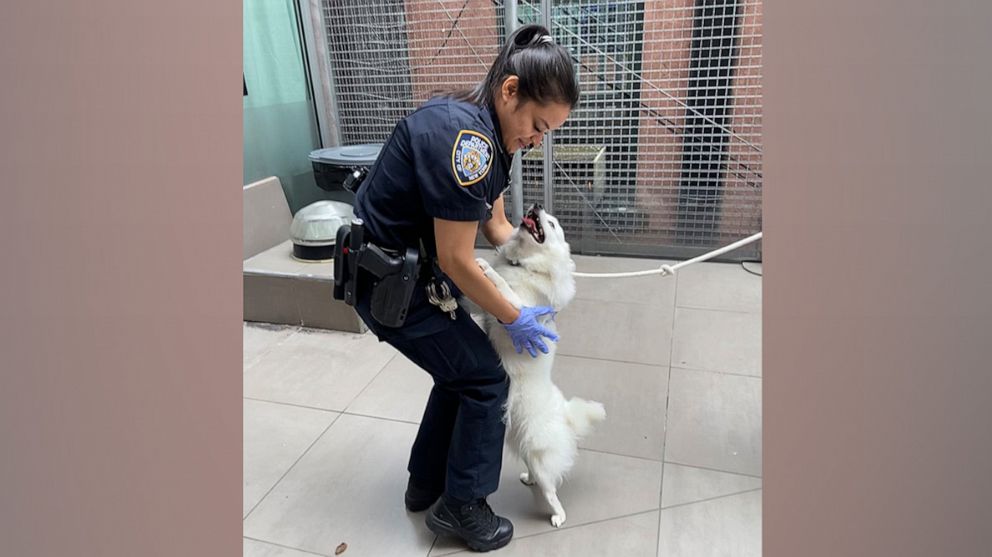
[{"x": 394, "y": 273}]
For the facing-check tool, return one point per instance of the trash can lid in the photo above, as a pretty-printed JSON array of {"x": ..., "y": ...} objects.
[
  {"x": 317, "y": 224},
  {"x": 349, "y": 155}
]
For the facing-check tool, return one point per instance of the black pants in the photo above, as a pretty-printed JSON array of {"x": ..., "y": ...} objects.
[{"x": 459, "y": 446}]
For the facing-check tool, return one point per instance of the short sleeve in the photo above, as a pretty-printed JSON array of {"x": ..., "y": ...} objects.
[{"x": 452, "y": 166}]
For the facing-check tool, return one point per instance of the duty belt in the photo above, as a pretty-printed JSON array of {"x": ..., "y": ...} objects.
[{"x": 395, "y": 275}]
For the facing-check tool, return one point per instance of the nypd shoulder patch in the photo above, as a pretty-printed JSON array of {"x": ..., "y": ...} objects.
[{"x": 471, "y": 157}]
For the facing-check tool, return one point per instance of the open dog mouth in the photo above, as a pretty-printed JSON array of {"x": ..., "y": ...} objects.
[{"x": 532, "y": 223}]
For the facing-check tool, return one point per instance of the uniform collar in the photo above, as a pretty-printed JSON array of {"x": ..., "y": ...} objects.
[{"x": 490, "y": 112}]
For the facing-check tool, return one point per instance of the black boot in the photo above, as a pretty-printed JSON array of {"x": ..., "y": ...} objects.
[
  {"x": 418, "y": 498},
  {"x": 474, "y": 523}
]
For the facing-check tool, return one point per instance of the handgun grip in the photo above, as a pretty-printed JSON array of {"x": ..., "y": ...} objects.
[{"x": 378, "y": 262}]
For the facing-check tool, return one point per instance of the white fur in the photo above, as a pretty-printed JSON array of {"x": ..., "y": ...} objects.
[{"x": 543, "y": 427}]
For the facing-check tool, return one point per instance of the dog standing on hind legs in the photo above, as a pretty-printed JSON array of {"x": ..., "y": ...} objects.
[{"x": 534, "y": 268}]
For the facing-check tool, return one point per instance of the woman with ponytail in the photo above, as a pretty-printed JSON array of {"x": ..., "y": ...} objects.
[{"x": 439, "y": 178}]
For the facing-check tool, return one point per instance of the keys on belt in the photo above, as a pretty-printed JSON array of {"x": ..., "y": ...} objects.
[{"x": 441, "y": 297}]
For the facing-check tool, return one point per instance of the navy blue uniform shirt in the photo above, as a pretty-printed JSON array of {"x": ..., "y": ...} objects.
[{"x": 445, "y": 160}]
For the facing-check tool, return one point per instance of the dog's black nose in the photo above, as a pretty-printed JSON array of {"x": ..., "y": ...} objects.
[{"x": 538, "y": 207}]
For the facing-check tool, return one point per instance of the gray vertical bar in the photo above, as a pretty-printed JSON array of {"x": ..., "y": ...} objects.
[
  {"x": 332, "y": 102},
  {"x": 321, "y": 75},
  {"x": 517, "y": 189},
  {"x": 548, "y": 138},
  {"x": 516, "y": 172}
]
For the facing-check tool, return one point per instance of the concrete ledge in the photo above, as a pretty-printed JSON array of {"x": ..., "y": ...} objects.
[{"x": 281, "y": 289}]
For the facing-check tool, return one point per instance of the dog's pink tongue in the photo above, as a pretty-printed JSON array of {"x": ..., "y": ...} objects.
[{"x": 527, "y": 222}]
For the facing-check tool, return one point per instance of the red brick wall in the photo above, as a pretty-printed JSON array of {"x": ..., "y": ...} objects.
[
  {"x": 470, "y": 50},
  {"x": 665, "y": 69}
]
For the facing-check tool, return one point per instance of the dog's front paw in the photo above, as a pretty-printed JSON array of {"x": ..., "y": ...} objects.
[
  {"x": 483, "y": 264},
  {"x": 490, "y": 273},
  {"x": 557, "y": 520}
]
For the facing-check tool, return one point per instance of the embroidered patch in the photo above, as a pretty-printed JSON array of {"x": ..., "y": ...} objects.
[{"x": 471, "y": 157}]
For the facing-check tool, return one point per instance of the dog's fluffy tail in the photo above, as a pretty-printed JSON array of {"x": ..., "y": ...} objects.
[{"x": 582, "y": 414}]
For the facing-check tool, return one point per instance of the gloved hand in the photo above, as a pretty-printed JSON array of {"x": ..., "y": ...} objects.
[{"x": 526, "y": 332}]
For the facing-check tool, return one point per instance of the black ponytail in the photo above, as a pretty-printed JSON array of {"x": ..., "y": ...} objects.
[{"x": 543, "y": 67}]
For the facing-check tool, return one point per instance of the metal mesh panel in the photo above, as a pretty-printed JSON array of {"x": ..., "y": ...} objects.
[
  {"x": 387, "y": 57},
  {"x": 663, "y": 155}
]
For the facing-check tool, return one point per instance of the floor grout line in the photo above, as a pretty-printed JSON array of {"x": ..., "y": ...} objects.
[
  {"x": 565, "y": 528},
  {"x": 668, "y": 397},
  {"x": 712, "y": 498},
  {"x": 383, "y": 418},
  {"x": 606, "y": 300},
  {"x": 727, "y": 310},
  {"x": 710, "y": 469},
  {"x": 590, "y": 523},
  {"x": 340, "y": 412},
  {"x": 609, "y": 360},
  {"x": 288, "y": 470},
  {"x": 369, "y": 384},
  {"x": 731, "y": 373},
  {"x": 284, "y": 546},
  {"x": 293, "y": 404},
  {"x": 611, "y": 453},
  {"x": 669, "y": 365}
]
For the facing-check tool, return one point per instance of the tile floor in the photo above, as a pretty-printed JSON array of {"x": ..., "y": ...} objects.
[{"x": 674, "y": 471}]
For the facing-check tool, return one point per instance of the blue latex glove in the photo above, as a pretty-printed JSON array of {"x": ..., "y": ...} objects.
[{"x": 526, "y": 332}]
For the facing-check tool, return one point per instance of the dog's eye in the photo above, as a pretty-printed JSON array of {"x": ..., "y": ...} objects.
[{"x": 552, "y": 224}]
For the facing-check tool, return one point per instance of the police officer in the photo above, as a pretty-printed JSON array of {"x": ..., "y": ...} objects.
[{"x": 439, "y": 177}]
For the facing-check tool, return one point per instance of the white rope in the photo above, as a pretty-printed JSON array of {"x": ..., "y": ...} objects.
[{"x": 666, "y": 270}]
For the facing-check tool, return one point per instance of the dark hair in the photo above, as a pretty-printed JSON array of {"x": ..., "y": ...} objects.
[{"x": 543, "y": 67}]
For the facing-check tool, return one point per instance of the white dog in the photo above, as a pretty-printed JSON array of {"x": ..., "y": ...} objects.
[{"x": 534, "y": 268}]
